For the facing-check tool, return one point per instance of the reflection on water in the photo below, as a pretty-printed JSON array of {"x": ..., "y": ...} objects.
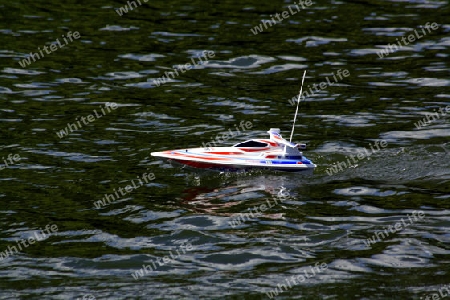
[
  {"x": 222, "y": 200},
  {"x": 323, "y": 218}
]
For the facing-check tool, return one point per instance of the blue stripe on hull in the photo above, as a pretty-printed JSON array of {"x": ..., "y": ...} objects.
[{"x": 284, "y": 162}]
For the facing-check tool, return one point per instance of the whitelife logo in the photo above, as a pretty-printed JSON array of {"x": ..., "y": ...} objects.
[
  {"x": 411, "y": 38},
  {"x": 393, "y": 229},
  {"x": 124, "y": 9},
  {"x": 11, "y": 162},
  {"x": 108, "y": 198},
  {"x": 439, "y": 296},
  {"x": 31, "y": 240},
  {"x": 90, "y": 118},
  {"x": 285, "y": 14},
  {"x": 279, "y": 289},
  {"x": 431, "y": 117},
  {"x": 225, "y": 137},
  {"x": 53, "y": 47},
  {"x": 323, "y": 85},
  {"x": 165, "y": 260},
  {"x": 86, "y": 297},
  {"x": 187, "y": 67},
  {"x": 236, "y": 220},
  {"x": 340, "y": 166}
]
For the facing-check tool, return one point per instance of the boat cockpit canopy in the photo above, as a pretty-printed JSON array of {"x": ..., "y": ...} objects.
[{"x": 251, "y": 144}]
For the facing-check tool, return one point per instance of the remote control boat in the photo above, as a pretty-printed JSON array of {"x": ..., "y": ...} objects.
[{"x": 275, "y": 153}]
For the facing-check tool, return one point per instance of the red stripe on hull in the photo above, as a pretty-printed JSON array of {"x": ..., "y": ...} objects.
[
  {"x": 196, "y": 164},
  {"x": 225, "y": 153},
  {"x": 254, "y": 150},
  {"x": 270, "y": 143},
  {"x": 199, "y": 157}
]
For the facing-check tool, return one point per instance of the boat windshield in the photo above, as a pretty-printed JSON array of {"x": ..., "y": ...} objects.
[{"x": 251, "y": 143}]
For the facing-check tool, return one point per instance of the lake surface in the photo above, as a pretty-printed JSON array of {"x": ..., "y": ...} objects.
[{"x": 80, "y": 118}]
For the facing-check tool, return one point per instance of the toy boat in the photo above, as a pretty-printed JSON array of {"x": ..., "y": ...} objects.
[{"x": 275, "y": 153}]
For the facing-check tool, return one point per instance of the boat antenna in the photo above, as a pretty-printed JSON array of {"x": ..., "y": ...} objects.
[{"x": 298, "y": 102}]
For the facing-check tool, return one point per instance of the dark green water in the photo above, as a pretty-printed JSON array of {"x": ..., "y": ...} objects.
[{"x": 185, "y": 214}]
